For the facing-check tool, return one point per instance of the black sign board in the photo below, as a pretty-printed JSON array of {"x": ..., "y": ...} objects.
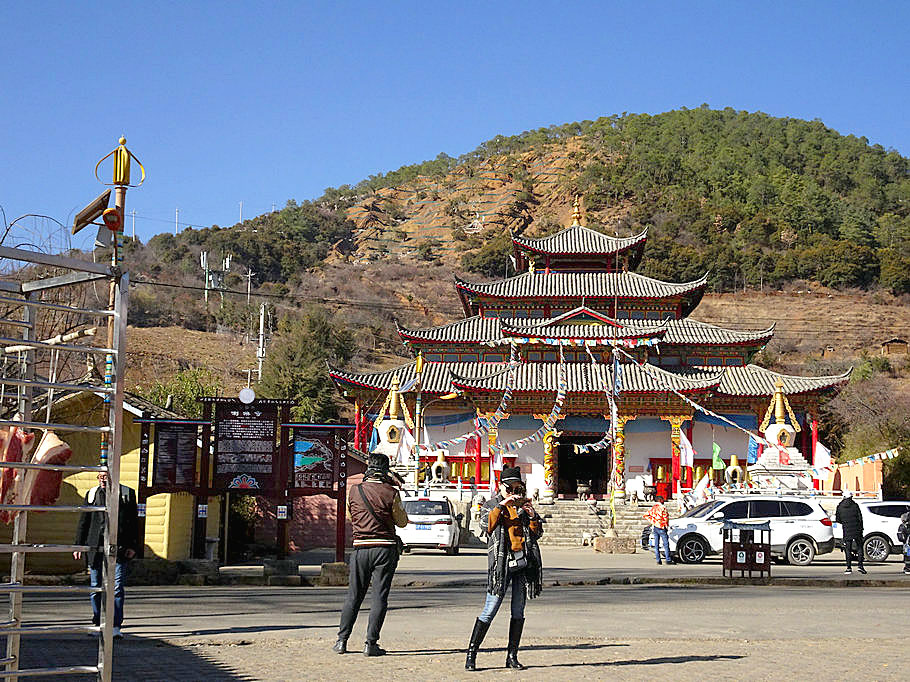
[
  {"x": 175, "y": 455},
  {"x": 246, "y": 444}
]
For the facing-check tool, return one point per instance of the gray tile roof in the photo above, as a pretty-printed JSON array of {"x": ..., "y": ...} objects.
[
  {"x": 478, "y": 329},
  {"x": 582, "y": 377},
  {"x": 753, "y": 380},
  {"x": 579, "y": 240},
  {"x": 580, "y": 285}
]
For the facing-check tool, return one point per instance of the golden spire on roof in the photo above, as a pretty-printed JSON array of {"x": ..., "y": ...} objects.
[{"x": 576, "y": 213}]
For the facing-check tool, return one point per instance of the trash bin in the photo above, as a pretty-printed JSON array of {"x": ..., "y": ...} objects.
[
  {"x": 211, "y": 548},
  {"x": 744, "y": 552}
]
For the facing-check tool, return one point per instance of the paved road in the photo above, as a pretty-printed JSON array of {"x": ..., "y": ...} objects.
[{"x": 582, "y": 632}]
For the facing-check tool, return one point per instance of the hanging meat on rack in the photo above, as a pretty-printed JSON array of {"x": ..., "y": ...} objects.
[
  {"x": 15, "y": 444},
  {"x": 37, "y": 486}
]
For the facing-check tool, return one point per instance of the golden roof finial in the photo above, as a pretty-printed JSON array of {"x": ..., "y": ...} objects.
[
  {"x": 576, "y": 213},
  {"x": 393, "y": 398}
]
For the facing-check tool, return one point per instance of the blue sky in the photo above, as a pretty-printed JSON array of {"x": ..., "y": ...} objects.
[{"x": 263, "y": 102}]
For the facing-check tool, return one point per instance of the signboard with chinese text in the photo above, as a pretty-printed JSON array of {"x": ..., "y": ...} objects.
[
  {"x": 320, "y": 458},
  {"x": 246, "y": 446},
  {"x": 175, "y": 455}
]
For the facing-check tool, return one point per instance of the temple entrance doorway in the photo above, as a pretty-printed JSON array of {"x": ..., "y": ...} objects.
[{"x": 591, "y": 468}]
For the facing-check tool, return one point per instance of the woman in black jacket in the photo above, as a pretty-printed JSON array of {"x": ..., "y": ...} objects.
[
  {"x": 513, "y": 557},
  {"x": 850, "y": 517}
]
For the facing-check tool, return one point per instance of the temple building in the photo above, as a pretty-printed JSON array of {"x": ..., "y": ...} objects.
[{"x": 588, "y": 337}]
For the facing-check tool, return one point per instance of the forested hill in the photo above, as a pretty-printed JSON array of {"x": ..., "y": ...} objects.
[{"x": 755, "y": 200}]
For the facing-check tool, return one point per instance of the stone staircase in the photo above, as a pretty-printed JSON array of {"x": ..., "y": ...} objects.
[{"x": 566, "y": 521}]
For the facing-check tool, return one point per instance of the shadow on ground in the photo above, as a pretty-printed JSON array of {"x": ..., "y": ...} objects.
[{"x": 135, "y": 658}]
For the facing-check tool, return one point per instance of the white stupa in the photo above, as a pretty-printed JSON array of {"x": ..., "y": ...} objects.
[{"x": 781, "y": 466}]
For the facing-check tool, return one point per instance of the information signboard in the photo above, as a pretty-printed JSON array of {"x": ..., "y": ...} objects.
[
  {"x": 246, "y": 444},
  {"x": 175, "y": 455},
  {"x": 320, "y": 458}
]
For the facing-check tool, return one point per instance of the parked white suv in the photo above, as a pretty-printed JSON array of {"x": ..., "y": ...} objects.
[
  {"x": 800, "y": 528},
  {"x": 432, "y": 524},
  {"x": 880, "y": 522}
]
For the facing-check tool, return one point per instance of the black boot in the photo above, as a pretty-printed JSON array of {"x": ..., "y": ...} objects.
[
  {"x": 480, "y": 631},
  {"x": 515, "y": 627}
]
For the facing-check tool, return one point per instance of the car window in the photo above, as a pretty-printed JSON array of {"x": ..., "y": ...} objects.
[
  {"x": 736, "y": 510},
  {"x": 893, "y": 511},
  {"x": 701, "y": 510},
  {"x": 796, "y": 509},
  {"x": 761, "y": 509},
  {"x": 426, "y": 507}
]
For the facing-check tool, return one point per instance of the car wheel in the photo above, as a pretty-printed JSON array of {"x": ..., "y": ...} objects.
[
  {"x": 877, "y": 548},
  {"x": 800, "y": 552},
  {"x": 692, "y": 549}
]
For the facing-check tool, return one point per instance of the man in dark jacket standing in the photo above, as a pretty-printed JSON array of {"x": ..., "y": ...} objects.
[
  {"x": 90, "y": 532},
  {"x": 850, "y": 517},
  {"x": 374, "y": 509}
]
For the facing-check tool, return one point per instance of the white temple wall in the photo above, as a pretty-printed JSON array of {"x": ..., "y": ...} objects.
[
  {"x": 640, "y": 448},
  {"x": 731, "y": 441}
]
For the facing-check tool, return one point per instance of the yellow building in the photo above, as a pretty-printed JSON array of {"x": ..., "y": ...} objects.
[{"x": 169, "y": 517}]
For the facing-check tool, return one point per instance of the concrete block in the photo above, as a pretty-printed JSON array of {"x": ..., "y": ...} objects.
[
  {"x": 284, "y": 580},
  {"x": 191, "y": 579},
  {"x": 333, "y": 574},
  {"x": 614, "y": 545},
  {"x": 279, "y": 567}
]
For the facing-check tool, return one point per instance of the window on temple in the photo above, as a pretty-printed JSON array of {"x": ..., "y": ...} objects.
[
  {"x": 636, "y": 315},
  {"x": 733, "y": 362},
  {"x": 653, "y": 360},
  {"x": 450, "y": 357},
  {"x": 490, "y": 313},
  {"x": 715, "y": 362},
  {"x": 652, "y": 315},
  {"x": 550, "y": 357},
  {"x": 534, "y": 356},
  {"x": 537, "y": 313},
  {"x": 493, "y": 357},
  {"x": 469, "y": 357},
  {"x": 695, "y": 360},
  {"x": 670, "y": 360},
  {"x": 521, "y": 313},
  {"x": 622, "y": 315},
  {"x": 433, "y": 357},
  {"x": 668, "y": 316}
]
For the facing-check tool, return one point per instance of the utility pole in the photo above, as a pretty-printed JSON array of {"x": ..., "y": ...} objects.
[
  {"x": 241, "y": 211},
  {"x": 260, "y": 352},
  {"x": 249, "y": 282},
  {"x": 176, "y": 221},
  {"x": 204, "y": 262},
  {"x": 133, "y": 213}
]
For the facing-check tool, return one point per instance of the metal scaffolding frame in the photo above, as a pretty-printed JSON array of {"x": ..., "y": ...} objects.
[{"x": 29, "y": 386}]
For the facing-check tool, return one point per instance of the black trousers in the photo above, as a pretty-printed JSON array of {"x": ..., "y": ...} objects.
[
  {"x": 853, "y": 543},
  {"x": 371, "y": 563}
]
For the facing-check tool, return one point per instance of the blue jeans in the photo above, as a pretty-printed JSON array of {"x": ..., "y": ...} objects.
[
  {"x": 661, "y": 535},
  {"x": 120, "y": 574},
  {"x": 519, "y": 596}
]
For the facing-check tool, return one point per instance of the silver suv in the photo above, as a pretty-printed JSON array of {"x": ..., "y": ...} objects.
[{"x": 800, "y": 528}]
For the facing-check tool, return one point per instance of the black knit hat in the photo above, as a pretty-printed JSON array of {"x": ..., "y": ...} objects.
[
  {"x": 511, "y": 474},
  {"x": 379, "y": 464}
]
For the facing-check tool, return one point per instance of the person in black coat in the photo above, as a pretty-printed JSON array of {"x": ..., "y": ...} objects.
[
  {"x": 850, "y": 517},
  {"x": 90, "y": 532}
]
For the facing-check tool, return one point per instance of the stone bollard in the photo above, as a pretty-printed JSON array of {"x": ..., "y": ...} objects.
[{"x": 333, "y": 574}]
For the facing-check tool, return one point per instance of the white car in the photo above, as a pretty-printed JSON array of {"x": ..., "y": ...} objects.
[
  {"x": 432, "y": 524},
  {"x": 800, "y": 528},
  {"x": 880, "y": 522}
]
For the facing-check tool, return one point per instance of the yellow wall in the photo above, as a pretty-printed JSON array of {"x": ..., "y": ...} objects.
[{"x": 168, "y": 529}]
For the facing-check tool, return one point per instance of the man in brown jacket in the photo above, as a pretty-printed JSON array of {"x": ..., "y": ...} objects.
[{"x": 374, "y": 509}]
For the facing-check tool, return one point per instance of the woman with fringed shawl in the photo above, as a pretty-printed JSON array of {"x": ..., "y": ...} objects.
[{"x": 513, "y": 558}]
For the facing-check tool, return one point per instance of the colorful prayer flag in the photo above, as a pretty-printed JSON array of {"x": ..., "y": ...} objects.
[{"x": 718, "y": 462}]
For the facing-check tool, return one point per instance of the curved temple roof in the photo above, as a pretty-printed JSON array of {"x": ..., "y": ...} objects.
[
  {"x": 579, "y": 240},
  {"x": 580, "y": 285},
  {"x": 583, "y": 377},
  {"x": 478, "y": 330}
]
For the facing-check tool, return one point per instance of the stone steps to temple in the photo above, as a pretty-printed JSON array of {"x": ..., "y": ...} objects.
[{"x": 567, "y": 522}]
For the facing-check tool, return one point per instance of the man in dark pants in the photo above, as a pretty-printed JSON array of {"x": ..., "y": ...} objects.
[
  {"x": 374, "y": 509},
  {"x": 90, "y": 532},
  {"x": 850, "y": 517}
]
